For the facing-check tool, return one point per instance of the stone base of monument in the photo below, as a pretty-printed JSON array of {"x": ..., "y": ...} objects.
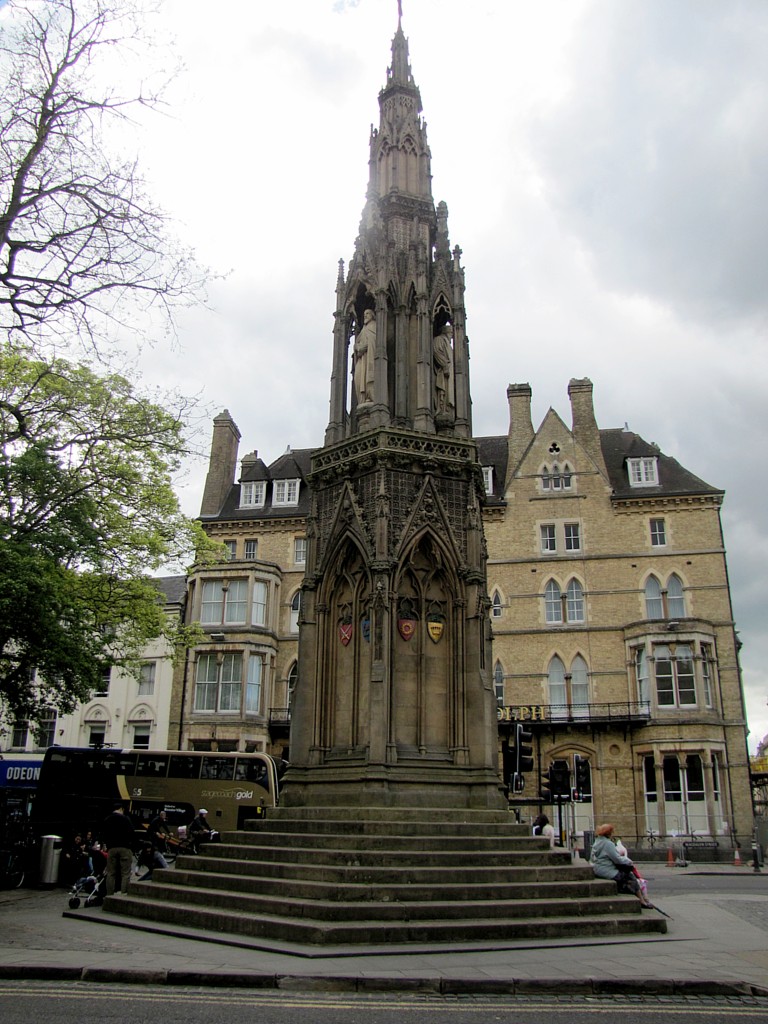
[{"x": 372, "y": 878}]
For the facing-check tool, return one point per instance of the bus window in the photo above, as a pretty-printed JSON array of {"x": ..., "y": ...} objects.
[
  {"x": 153, "y": 765},
  {"x": 217, "y": 768},
  {"x": 251, "y": 771},
  {"x": 182, "y": 766},
  {"x": 121, "y": 764}
]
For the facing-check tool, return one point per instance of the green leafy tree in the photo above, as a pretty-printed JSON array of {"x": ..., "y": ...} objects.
[{"x": 87, "y": 514}]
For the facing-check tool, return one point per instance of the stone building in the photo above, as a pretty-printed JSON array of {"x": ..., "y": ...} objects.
[{"x": 607, "y": 596}]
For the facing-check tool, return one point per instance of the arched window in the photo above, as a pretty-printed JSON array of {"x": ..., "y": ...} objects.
[
  {"x": 498, "y": 683},
  {"x": 496, "y": 606},
  {"x": 575, "y": 601},
  {"x": 295, "y": 608},
  {"x": 553, "y": 605},
  {"x": 579, "y": 686},
  {"x": 293, "y": 678},
  {"x": 654, "y": 607},
  {"x": 675, "y": 598},
  {"x": 558, "y": 696}
]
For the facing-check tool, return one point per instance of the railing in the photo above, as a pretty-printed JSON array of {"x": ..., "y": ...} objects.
[
  {"x": 279, "y": 716},
  {"x": 616, "y": 712}
]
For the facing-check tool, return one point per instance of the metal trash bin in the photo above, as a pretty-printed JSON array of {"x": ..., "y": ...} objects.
[
  {"x": 50, "y": 858},
  {"x": 589, "y": 838}
]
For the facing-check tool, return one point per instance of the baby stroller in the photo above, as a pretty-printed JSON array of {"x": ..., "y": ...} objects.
[{"x": 89, "y": 890}]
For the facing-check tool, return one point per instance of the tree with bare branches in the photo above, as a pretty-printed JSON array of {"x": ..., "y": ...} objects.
[{"x": 83, "y": 249}]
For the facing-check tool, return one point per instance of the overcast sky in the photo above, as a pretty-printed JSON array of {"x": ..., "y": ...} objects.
[{"x": 604, "y": 163}]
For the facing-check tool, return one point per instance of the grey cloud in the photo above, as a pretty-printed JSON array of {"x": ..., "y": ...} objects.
[{"x": 658, "y": 156}]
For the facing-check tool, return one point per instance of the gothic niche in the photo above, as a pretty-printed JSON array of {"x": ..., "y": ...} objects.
[
  {"x": 347, "y": 652},
  {"x": 425, "y": 655},
  {"x": 443, "y": 363},
  {"x": 362, "y": 319}
]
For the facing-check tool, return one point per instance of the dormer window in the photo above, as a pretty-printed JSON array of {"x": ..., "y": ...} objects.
[
  {"x": 488, "y": 479},
  {"x": 643, "y": 472},
  {"x": 285, "y": 492},
  {"x": 252, "y": 494}
]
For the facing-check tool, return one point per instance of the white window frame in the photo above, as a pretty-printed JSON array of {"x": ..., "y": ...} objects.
[
  {"x": 222, "y": 608},
  {"x": 106, "y": 679},
  {"x": 299, "y": 550},
  {"x": 553, "y": 603},
  {"x": 147, "y": 675},
  {"x": 259, "y": 603},
  {"x": 254, "y": 684},
  {"x": 652, "y": 599},
  {"x": 230, "y": 695},
  {"x": 675, "y": 597},
  {"x": 658, "y": 528},
  {"x": 572, "y": 535},
  {"x": 675, "y": 676},
  {"x": 285, "y": 492},
  {"x": 707, "y": 674},
  {"x": 488, "y": 479},
  {"x": 548, "y": 538},
  {"x": 231, "y": 546},
  {"x": 574, "y": 601},
  {"x": 498, "y": 683},
  {"x": 643, "y": 472},
  {"x": 251, "y": 549},
  {"x": 497, "y": 607},
  {"x": 141, "y": 736},
  {"x": 253, "y": 493}
]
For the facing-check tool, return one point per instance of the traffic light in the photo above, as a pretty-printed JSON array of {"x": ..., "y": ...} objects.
[
  {"x": 581, "y": 776},
  {"x": 555, "y": 783},
  {"x": 523, "y": 750}
]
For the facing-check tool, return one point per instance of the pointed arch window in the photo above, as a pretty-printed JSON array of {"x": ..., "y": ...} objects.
[
  {"x": 557, "y": 692},
  {"x": 498, "y": 683},
  {"x": 654, "y": 606},
  {"x": 556, "y": 477},
  {"x": 580, "y": 686},
  {"x": 553, "y": 604},
  {"x": 575, "y": 601},
  {"x": 295, "y": 609},
  {"x": 675, "y": 598},
  {"x": 496, "y": 605},
  {"x": 293, "y": 678}
]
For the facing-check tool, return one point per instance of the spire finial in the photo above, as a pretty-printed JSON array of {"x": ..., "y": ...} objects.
[{"x": 399, "y": 12}]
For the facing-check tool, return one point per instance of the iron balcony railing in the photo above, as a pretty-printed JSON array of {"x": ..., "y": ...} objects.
[{"x": 615, "y": 712}]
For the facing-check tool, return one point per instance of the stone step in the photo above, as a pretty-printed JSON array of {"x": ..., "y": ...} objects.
[
  {"x": 414, "y": 827},
  {"x": 380, "y": 874},
  {"x": 360, "y": 857},
  {"x": 383, "y": 933},
  {"x": 445, "y": 891},
  {"x": 417, "y": 815},
  {"x": 392, "y": 910},
  {"x": 382, "y": 841}
]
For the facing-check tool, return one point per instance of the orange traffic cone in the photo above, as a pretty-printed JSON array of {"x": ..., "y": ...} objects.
[
  {"x": 670, "y": 858},
  {"x": 736, "y": 858}
]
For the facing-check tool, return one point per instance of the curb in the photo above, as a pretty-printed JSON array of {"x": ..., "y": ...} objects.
[{"x": 359, "y": 983}]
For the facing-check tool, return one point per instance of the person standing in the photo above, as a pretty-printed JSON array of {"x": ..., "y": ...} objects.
[{"x": 120, "y": 839}]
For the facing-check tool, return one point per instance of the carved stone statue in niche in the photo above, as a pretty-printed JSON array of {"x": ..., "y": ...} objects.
[
  {"x": 365, "y": 350},
  {"x": 442, "y": 354}
]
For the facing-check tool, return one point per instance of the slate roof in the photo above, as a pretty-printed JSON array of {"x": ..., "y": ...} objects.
[
  {"x": 620, "y": 444},
  {"x": 173, "y": 588},
  {"x": 292, "y": 465}
]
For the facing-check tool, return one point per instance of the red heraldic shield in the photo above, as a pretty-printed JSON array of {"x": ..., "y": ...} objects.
[
  {"x": 345, "y": 632},
  {"x": 406, "y": 627}
]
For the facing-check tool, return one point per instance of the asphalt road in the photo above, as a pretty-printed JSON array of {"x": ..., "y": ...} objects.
[{"x": 99, "y": 1004}]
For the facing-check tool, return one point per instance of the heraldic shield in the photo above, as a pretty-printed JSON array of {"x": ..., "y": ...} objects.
[
  {"x": 435, "y": 629},
  {"x": 407, "y": 619}
]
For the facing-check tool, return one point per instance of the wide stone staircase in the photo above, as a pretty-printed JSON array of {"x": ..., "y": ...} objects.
[{"x": 372, "y": 877}]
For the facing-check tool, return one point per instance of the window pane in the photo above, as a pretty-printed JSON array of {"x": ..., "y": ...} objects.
[
  {"x": 496, "y": 608},
  {"x": 231, "y": 682},
  {"x": 572, "y": 538},
  {"x": 147, "y": 679},
  {"x": 658, "y": 533},
  {"x": 234, "y": 609},
  {"x": 251, "y": 549},
  {"x": 548, "y": 542},
  {"x": 579, "y": 681},
  {"x": 205, "y": 687},
  {"x": 672, "y": 785},
  {"x": 641, "y": 671},
  {"x": 694, "y": 777},
  {"x": 649, "y": 774},
  {"x": 300, "y": 550},
  {"x": 212, "y": 603},
  {"x": 259, "y": 607},
  {"x": 575, "y": 602},
  {"x": 253, "y": 691},
  {"x": 141, "y": 737},
  {"x": 556, "y": 683},
  {"x": 665, "y": 690},
  {"x": 654, "y": 609},
  {"x": 686, "y": 685},
  {"x": 675, "y": 599},
  {"x": 552, "y": 603},
  {"x": 706, "y": 673}
]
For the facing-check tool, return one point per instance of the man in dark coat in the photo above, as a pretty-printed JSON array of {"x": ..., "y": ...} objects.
[{"x": 120, "y": 840}]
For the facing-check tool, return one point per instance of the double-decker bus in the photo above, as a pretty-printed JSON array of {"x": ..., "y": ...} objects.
[{"x": 78, "y": 787}]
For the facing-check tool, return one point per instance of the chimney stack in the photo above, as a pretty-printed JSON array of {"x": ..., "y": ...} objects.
[
  {"x": 520, "y": 424},
  {"x": 222, "y": 465},
  {"x": 584, "y": 427}
]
